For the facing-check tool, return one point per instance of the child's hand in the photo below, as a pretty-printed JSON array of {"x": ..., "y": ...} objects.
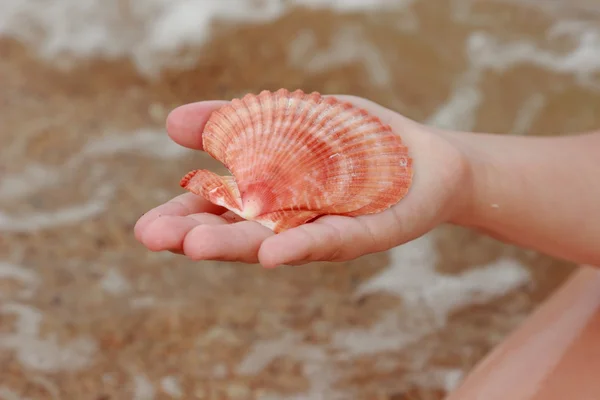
[{"x": 190, "y": 225}]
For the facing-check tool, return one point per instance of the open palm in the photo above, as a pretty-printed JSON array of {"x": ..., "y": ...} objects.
[{"x": 190, "y": 225}]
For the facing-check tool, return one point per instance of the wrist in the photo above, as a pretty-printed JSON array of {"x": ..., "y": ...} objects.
[{"x": 476, "y": 166}]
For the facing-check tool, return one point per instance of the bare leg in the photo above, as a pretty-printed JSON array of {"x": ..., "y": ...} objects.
[{"x": 554, "y": 355}]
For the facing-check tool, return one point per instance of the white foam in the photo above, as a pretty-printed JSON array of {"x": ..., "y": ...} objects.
[
  {"x": 412, "y": 275},
  {"x": 149, "y": 31},
  {"x": 152, "y": 32},
  {"x": 486, "y": 51},
  {"x": 149, "y": 142},
  {"x": 142, "y": 29},
  {"x": 143, "y": 302},
  {"x": 317, "y": 366},
  {"x": 27, "y": 182},
  {"x": 9, "y": 394},
  {"x": 428, "y": 296},
  {"x": 447, "y": 379},
  {"x": 428, "y": 299},
  {"x": 348, "y": 46},
  {"x": 28, "y": 318},
  {"x": 115, "y": 283},
  {"x": 35, "y": 221},
  {"x": 35, "y": 178},
  {"x": 527, "y": 113},
  {"x": 44, "y": 354},
  {"x": 459, "y": 110},
  {"x": 171, "y": 386},
  {"x": 392, "y": 332},
  {"x": 143, "y": 389},
  {"x": 187, "y": 23},
  {"x": 220, "y": 371},
  {"x": 263, "y": 353},
  {"x": 49, "y": 356},
  {"x": 28, "y": 278},
  {"x": 355, "y": 5}
]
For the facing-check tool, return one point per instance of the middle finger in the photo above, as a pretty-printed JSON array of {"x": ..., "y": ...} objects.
[
  {"x": 182, "y": 205},
  {"x": 232, "y": 242},
  {"x": 168, "y": 232}
]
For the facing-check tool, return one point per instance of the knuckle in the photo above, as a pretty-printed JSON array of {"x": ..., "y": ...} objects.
[
  {"x": 334, "y": 248},
  {"x": 197, "y": 244},
  {"x": 372, "y": 243},
  {"x": 312, "y": 244}
]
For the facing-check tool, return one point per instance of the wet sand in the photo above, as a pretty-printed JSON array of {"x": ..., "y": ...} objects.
[{"x": 88, "y": 313}]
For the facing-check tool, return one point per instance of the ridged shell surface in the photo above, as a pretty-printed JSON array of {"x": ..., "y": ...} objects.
[{"x": 295, "y": 156}]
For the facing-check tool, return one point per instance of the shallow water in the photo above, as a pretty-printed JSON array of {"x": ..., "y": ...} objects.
[{"x": 86, "y": 312}]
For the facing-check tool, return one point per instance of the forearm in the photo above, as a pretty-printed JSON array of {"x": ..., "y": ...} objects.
[{"x": 538, "y": 193}]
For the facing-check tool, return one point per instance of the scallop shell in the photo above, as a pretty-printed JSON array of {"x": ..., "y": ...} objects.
[{"x": 295, "y": 157}]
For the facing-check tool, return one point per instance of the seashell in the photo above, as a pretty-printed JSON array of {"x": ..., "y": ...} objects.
[{"x": 295, "y": 157}]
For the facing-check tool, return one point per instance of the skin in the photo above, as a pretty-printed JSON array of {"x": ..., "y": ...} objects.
[{"x": 540, "y": 193}]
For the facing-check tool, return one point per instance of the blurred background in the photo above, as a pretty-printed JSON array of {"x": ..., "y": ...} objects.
[{"x": 85, "y": 86}]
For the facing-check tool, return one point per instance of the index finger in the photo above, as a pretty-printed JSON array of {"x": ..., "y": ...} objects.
[
  {"x": 182, "y": 205},
  {"x": 186, "y": 123}
]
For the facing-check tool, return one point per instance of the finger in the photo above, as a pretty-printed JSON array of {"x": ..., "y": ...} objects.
[
  {"x": 231, "y": 242},
  {"x": 182, "y": 205},
  {"x": 334, "y": 238},
  {"x": 327, "y": 239},
  {"x": 168, "y": 232},
  {"x": 186, "y": 123}
]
